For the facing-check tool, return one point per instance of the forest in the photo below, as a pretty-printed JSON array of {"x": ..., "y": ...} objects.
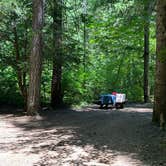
[
  {"x": 70, "y": 52},
  {"x": 57, "y": 57}
]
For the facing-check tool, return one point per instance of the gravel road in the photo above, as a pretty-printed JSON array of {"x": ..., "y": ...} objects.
[{"x": 82, "y": 137}]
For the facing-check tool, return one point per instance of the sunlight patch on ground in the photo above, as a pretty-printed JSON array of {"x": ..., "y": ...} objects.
[
  {"x": 18, "y": 159},
  {"x": 87, "y": 156},
  {"x": 95, "y": 164},
  {"x": 126, "y": 160},
  {"x": 77, "y": 152},
  {"x": 132, "y": 109}
]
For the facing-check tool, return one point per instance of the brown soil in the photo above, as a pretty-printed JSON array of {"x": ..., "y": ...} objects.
[{"x": 84, "y": 137}]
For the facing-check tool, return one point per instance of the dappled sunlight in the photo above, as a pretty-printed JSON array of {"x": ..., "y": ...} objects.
[
  {"x": 126, "y": 160},
  {"x": 143, "y": 110},
  {"x": 18, "y": 159},
  {"x": 92, "y": 137},
  {"x": 57, "y": 57}
]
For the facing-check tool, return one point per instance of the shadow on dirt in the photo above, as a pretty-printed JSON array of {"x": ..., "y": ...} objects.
[
  {"x": 12, "y": 110},
  {"x": 127, "y": 131}
]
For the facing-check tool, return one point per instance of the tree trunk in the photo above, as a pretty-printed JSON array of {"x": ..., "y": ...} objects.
[
  {"x": 56, "y": 88},
  {"x": 146, "y": 53},
  {"x": 84, "y": 19},
  {"x": 33, "y": 104},
  {"x": 159, "y": 112},
  {"x": 19, "y": 71}
]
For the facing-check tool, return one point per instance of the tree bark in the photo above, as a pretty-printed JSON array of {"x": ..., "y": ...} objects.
[
  {"x": 84, "y": 20},
  {"x": 56, "y": 87},
  {"x": 159, "y": 112},
  {"x": 146, "y": 52},
  {"x": 33, "y": 104}
]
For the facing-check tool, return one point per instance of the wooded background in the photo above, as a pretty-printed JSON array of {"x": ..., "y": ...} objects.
[
  {"x": 83, "y": 49},
  {"x": 90, "y": 47}
]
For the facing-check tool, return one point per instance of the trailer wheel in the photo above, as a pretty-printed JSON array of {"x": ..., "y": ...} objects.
[
  {"x": 116, "y": 106},
  {"x": 101, "y": 106},
  {"x": 121, "y": 106}
]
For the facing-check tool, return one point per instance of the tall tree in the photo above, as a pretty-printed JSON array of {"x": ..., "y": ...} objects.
[
  {"x": 33, "y": 104},
  {"x": 17, "y": 26},
  {"x": 84, "y": 19},
  {"x": 56, "y": 87},
  {"x": 159, "y": 112},
  {"x": 148, "y": 9},
  {"x": 146, "y": 51},
  {"x": 21, "y": 73}
]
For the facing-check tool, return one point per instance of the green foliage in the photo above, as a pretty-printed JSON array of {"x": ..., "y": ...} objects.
[
  {"x": 112, "y": 59},
  {"x": 9, "y": 88}
]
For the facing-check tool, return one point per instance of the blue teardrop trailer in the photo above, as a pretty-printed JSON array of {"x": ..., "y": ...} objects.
[{"x": 114, "y": 100}]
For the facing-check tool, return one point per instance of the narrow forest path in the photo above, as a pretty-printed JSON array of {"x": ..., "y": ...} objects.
[{"x": 85, "y": 137}]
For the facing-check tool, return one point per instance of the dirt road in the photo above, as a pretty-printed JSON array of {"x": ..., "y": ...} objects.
[{"x": 85, "y": 137}]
